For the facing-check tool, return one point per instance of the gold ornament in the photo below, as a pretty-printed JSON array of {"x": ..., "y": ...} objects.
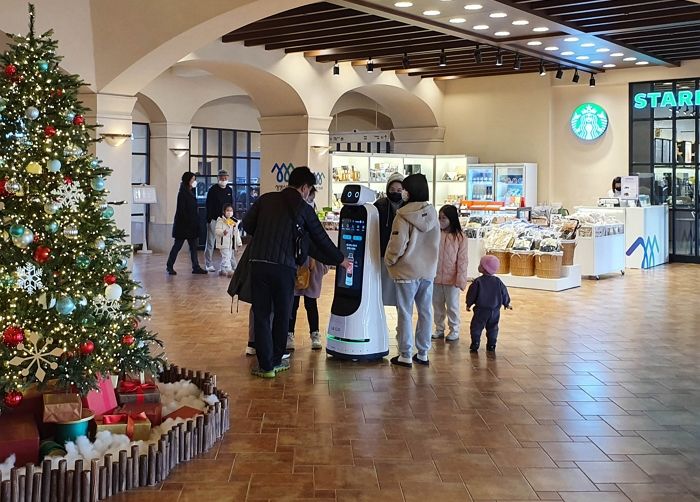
[{"x": 34, "y": 168}]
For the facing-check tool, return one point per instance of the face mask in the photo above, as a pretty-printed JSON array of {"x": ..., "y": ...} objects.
[
  {"x": 228, "y": 214},
  {"x": 223, "y": 184},
  {"x": 404, "y": 196},
  {"x": 444, "y": 223},
  {"x": 310, "y": 203},
  {"x": 193, "y": 183},
  {"x": 394, "y": 196}
]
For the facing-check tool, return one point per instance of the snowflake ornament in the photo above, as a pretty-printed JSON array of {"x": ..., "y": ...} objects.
[
  {"x": 69, "y": 195},
  {"x": 33, "y": 354},
  {"x": 104, "y": 307},
  {"x": 29, "y": 278}
]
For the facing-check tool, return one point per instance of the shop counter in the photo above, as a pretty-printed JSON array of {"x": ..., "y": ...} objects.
[{"x": 646, "y": 236}]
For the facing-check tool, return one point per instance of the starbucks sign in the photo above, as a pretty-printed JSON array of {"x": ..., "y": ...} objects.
[{"x": 589, "y": 121}]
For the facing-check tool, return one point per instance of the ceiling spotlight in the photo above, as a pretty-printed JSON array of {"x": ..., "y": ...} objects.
[
  {"x": 609, "y": 65},
  {"x": 431, "y": 12},
  {"x": 516, "y": 65},
  {"x": 629, "y": 59},
  {"x": 591, "y": 82},
  {"x": 497, "y": 15},
  {"x": 499, "y": 58},
  {"x": 480, "y": 27},
  {"x": 571, "y": 39},
  {"x": 521, "y": 22},
  {"x": 473, "y": 6},
  {"x": 457, "y": 20},
  {"x": 502, "y": 33},
  {"x": 603, "y": 49},
  {"x": 560, "y": 73},
  {"x": 443, "y": 58},
  {"x": 588, "y": 44},
  {"x": 551, "y": 48},
  {"x": 477, "y": 54},
  {"x": 597, "y": 61},
  {"x": 534, "y": 42},
  {"x": 403, "y": 4},
  {"x": 370, "y": 65},
  {"x": 568, "y": 53},
  {"x": 617, "y": 54},
  {"x": 582, "y": 58},
  {"x": 543, "y": 72},
  {"x": 405, "y": 62},
  {"x": 540, "y": 29},
  {"x": 642, "y": 63},
  {"x": 336, "y": 68},
  {"x": 576, "y": 77}
]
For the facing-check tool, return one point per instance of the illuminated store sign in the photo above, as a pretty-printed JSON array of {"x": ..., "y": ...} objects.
[
  {"x": 666, "y": 99},
  {"x": 589, "y": 121}
]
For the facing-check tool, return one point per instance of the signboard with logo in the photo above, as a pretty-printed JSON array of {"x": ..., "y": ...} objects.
[
  {"x": 589, "y": 121},
  {"x": 667, "y": 99}
]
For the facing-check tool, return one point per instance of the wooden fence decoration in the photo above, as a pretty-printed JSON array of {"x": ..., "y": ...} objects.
[{"x": 130, "y": 470}]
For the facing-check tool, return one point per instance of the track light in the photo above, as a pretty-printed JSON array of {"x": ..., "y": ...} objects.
[
  {"x": 576, "y": 77},
  {"x": 370, "y": 65},
  {"x": 499, "y": 58},
  {"x": 591, "y": 82},
  {"x": 405, "y": 62},
  {"x": 543, "y": 72},
  {"x": 336, "y": 68},
  {"x": 516, "y": 65},
  {"x": 477, "y": 54},
  {"x": 560, "y": 73},
  {"x": 443, "y": 58}
]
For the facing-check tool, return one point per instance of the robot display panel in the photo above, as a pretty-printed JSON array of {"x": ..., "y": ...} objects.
[{"x": 351, "y": 240}]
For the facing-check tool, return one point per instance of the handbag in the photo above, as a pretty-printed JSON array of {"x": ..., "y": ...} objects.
[{"x": 303, "y": 277}]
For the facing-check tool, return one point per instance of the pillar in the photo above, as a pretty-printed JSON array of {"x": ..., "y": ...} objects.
[{"x": 419, "y": 140}]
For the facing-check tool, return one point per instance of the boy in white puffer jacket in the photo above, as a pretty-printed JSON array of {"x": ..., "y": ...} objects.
[{"x": 228, "y": 240}]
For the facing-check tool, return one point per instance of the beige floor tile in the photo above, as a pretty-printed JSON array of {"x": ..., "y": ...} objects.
[
  {"x": 614, "y": 472},
  {"x": 558, "y": 480}
]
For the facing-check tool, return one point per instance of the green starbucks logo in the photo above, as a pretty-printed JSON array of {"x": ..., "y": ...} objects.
[{"x": 589, "y": 121}]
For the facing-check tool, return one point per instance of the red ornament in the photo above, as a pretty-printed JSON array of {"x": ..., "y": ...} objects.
[
  {"x": 128, "y": 339},
  {"x": 86, "y": 348},
  {"x": 78, "y": 120},
  {"x": 110, "y": 279},
  {"x": 42, "y": 254},
  {"x": 59, "y": 92},
  {"x": 3, "y": 192},
  {"x": 13, "y": 399},
  {"x": 10, "y": 70},
  {"x": 37, "y": 238},
  {"x": 49, "y": 131},
  {"x": 68, "y": 180},
  {"x": 13, "y": 336}
]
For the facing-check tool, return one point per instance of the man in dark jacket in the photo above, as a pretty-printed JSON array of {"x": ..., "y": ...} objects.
[
  {"x": 275, "y": 221},
  {"x": 217, "y": 196},
  {"x": 186, "y": 225}
]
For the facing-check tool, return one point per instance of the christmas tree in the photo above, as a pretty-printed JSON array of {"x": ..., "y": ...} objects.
[{"x": 69, "y": 309}]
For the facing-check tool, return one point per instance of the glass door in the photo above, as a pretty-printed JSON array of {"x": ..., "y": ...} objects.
[
  {"x": 480, "y": 183},
  {"x": 510, "y": 184}
]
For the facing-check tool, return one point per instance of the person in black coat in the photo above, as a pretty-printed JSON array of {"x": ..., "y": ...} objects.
[
  {"x": 217, "y": 196},
  {"x": 186, "y": 225}
]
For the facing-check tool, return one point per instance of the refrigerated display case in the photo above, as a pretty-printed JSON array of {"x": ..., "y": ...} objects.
[
  {"x": 480, "y": 182},
  {"x": 450, "y": 179},
  {"x": 515, "y": 181}
]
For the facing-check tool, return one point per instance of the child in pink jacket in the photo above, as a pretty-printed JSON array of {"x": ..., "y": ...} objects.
[{"x": 451, "y": 275}]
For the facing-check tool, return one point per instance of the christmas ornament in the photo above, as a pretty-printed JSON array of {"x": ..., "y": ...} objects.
[
  {"x": 107, "y": 212},
  {"x": 70, "y": 231},
  {"x": 97, "y": 183},
  {"x": 81, "y": 301},
  {"x": 54, "y": 166},
  {"x": 29, "y": 278},
  {"x": 34, "y": 354},
  {"x": 49, "y": 131},
  {"x": 68, "y": 180},
  {"x": 10, "y": 70},
  {"x": 13, "y": 336},
  {"x": 82, "y": 261},
  {"x": 51, "y": 227},
  {"x": 23, "y": 241},
  {"x": 128, "y": 340},
  {"x": 14, "y": 187},
  {"x": 113, "y": 292},
  {"x": 94, "y": 163},
  {"x": 42, "y": 254},
  {"x": 70, "y": 116},
  {"x": 3, "y": 188},
  {"x": 12, "y": 399},
  {"x": 110, "y": 279},
  {"x": 78, "y": 120},
  {"x": 86, "y": 348},
  {"x": 69, "y": 195},
  {"x": 100, "y": 244},
  {"x": 3, "y": 104},
  {"x": 52, "y": 207},
  {"x": 46, "y": 302},
  {"x": 17, "y": 230},
  {"x": 32, "y": 113},
  {"x": 43, "y": 65},
  {"x": 65, "y": 305},
  {"x": 122, "y": 263},
  {"x": 34, "y": 168},
  {"x": 104, "y": 307},
  {"x": 88, "y": 320}
]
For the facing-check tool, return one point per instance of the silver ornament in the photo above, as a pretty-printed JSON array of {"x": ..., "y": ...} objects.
[
  {"x": 51, "y": 207},
  {"x": 70, "y": 231},
  {"x": 32, "y": 113},
  {"x": 100, "y": 244}
]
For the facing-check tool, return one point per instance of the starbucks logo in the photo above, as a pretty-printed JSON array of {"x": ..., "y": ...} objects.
[{"x": 589, "y": 121}]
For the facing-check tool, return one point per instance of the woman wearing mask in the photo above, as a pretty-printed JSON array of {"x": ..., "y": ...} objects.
[
  {"x": 616, "y": 188},
  {"x": 387, "y": 207},
  {"x": 186, "y": 224}
]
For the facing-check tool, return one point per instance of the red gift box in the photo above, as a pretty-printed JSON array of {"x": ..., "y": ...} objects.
[
  {"x": 103, "y": 400},
  {"x": 185, "y": 412},
  {"x": 19, "y": 436},
  {"x": 154, "y": 411},
  {"x": 133, "y": 391}
]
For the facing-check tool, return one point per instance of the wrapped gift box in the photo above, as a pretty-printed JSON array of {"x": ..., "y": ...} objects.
[
  {"x": 185, "y": 412},
  {"x": 134, "y": 391},
  {"x": 154, "y": 411},
  {"x": 62, "y": 408},
  {"x": 19, "y": 436},
  {"x": 103, "y": 400},
  {"x": 136, "y": 426}
]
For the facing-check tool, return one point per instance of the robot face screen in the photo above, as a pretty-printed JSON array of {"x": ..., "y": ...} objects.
[
  {"x": 351, "y": 194},
  {"x": 352, "y": 236}
]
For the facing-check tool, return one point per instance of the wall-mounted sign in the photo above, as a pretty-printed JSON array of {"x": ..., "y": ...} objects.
[
  {"x": 360, "y": 136},
  {"x": 589, "y": 121},
  {"x": 667, "y": 99}
]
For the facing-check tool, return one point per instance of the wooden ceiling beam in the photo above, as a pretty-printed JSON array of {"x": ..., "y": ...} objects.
[
  {"x": 636, "y": 19},
  {"x": 640, "y": 13},
  {"x": 603, "y": 9},
  {"x": 311, "y": 28},
  {"x": 405, "y": 34},
  {"x": 363, "y": 52},
  {"x": 301, "y": 20},
  {"x": 296, "y": 37}
]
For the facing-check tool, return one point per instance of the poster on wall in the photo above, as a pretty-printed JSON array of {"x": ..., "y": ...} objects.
[{"x": 630, "y": 188}]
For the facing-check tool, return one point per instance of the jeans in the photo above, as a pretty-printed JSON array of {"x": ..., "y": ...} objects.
[
  {"x": 446, "y": 303},
  {"x": 211, "y": 243},
  {"x": 228, "y": 260},
  {"x": 177, "y": 246},
  {"x": 273, "y": 292},
  {"x": 311, "y": 306},
  {"x": 419, "y": 291},
  {"x": 485, "y": 318}
]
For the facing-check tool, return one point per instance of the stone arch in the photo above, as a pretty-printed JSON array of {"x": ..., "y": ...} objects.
[{"x": 150, "y": 108}]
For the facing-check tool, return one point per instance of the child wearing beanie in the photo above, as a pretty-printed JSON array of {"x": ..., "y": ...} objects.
[{"x": 487, "y": 294}]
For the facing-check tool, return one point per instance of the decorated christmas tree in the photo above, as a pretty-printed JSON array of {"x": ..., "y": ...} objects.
[{"x": 69, "y": 309}]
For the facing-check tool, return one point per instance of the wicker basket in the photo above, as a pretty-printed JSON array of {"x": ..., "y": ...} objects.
[
  {"x": 522, "y": 263},
  {"x": 503, "y": 258},
  {"x": 548, "y": 265},
  {"x": 568, "y": 247}
]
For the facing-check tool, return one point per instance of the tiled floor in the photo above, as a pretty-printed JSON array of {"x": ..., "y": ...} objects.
[{"x": 594, "y": 396}]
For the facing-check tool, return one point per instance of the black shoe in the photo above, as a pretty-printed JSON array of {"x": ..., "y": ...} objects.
[
  {"x": 418, "y": 360},
  {"x": 170, "y": 271},
  {"x": 490, "y": 348},
  {"x": 395, "y": 360},
  {"x": 473, "y": 348},
  {"x": 199, "y": 271}
]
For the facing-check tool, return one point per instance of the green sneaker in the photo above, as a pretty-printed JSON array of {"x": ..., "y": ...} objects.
[
  {"x": 283, "y": 366},
  {"x": 258, "y": 372}
]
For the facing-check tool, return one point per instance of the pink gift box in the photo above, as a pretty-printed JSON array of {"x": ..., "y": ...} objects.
[{"x": 101, "y": 401}]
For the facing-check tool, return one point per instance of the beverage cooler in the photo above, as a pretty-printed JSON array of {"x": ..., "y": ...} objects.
[
  {"x": 480, "y": 182},
  {"x": 515, "y": 182}
]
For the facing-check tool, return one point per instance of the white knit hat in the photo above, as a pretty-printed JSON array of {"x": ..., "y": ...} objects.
[{"x": 394, "y": 177}]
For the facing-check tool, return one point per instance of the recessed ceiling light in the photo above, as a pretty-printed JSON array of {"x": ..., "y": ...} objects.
[
  {"x": 458, "y": 20},
  {"x": 431, "y": 12},
  {"x": 571, "y": 39},
  {"x": 540, "y": 29},
  {"x": 609, "y": 65},
  {"x": 521, "y": 22},
  {"x": 551, "y": 48},
  {"x": 630, "y": 59},
  {"x": 617, "y": 54},
  {"x": 481, "y": 27},
  {"x": 474, "y": 6},
  {"x": 568, "y": 53},
  {"x": 641, "y": 63},
  {"x": 588, "y": 44},
  {"x": 502, "y": 33},
  {"x": 403, "y": 4},
  {"x": 497, "y": 15},
  {"x": 534, "y": 42},
  {"x": 582, "y": 58},
  {"x": 597, "y": 61},
  {"x": 603, "y": 49}
]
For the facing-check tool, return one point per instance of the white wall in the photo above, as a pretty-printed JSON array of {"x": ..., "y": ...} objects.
[{"x": 234, "y": 112}]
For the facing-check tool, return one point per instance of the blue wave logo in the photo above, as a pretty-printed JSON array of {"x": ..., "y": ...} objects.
[
  {"x": 650, "y": 247},
  {"x": 283, "y": 171}
]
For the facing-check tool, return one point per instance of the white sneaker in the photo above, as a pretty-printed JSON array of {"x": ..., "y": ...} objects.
[
  {"x": 316, "y": 341},
  {"x": 285, "y": 356},
  {"x": 452, "y": 337},
  {"x": 250, "y": 351},
  {"x": 437, "y": 336},
  {"x": 290, "y": 341},
  {"x": 210, "y": 268}
]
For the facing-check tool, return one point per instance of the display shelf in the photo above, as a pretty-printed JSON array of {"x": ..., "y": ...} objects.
[
  {"x": 571, "y": 279},
  {"x": 600, "y": 250}
]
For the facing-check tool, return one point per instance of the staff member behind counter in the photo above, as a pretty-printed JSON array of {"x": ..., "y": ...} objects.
[{"x": 616, "y": 189}]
